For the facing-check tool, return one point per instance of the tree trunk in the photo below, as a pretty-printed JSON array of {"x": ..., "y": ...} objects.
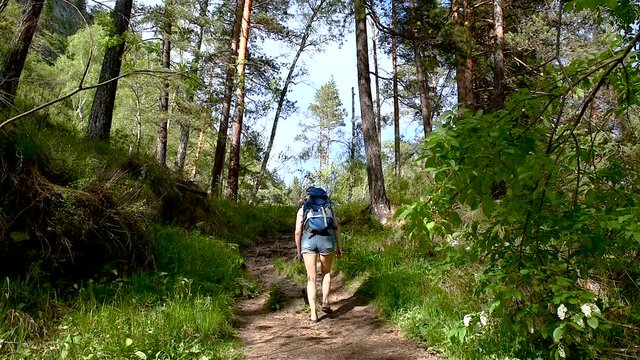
[
  {"x": 185, "y": 126},
  {"x": 236, "y": 135},
  {"x": 376, "y": 73},
  {"x": 181, "y": 156},
  {"x": 423, "y": 88},
  {"x": 498, "y": 76},
  {"x": 196, "y": 157},
  {"x": 221, "y": 142},
  {"x": 104, "y": 100},
  {"x": 135, "y": 147},
  {"x": 283, "y": 95},
  {"x": 3, "y": 5},
  {"x": 161, "y": 142},
  {"x": 18, "y": 51},
  {"x": 352, "y": 147},
  {"x": 378, "y": 202},
  {"x": 396, "y": 101},
  {"x": 463, "y": 56}
]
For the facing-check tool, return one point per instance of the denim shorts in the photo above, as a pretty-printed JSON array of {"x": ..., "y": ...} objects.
[{"x": 319, "y": 244}]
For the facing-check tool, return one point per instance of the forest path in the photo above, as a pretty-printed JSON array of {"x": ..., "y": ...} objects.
[{"x": 352, "y": 331}]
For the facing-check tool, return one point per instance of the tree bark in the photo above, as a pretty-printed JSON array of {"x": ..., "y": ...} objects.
[
  {"x": 396, "y": 101},
  {"x": 196, "y": 157},
  {"x": 423, "y": 88},
  {"x": 3, "y": 5},
  {"x": 104, "y": 100},
  {"x": 236, "y": 135},
  {"x": 352, "y": 147},
  {"x": 463, "y": 58},
  {"x": 185, "y": 126},
  {"x": 135, "y": 147},
  {"x": 378, "y": 202},
  {"x": 161, "y": 141},
  {"x": 221, "y": 142},
  {"x": 376, "y": 73},
  {"x": 498, "y": 76},
  {"x": 18, "y": 51},
  {"x": 283, "y": 95}
]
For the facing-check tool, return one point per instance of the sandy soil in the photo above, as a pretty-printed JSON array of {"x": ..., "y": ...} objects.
[{"x": 352, "y": 331}]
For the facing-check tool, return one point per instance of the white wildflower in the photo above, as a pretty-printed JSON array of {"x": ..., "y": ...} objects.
[
  {"x": 561, "y": 351},
  {"x": 467, "y": 320},
  {"x": 562, "y": 312},
  {"x": 483, "y": 318},
  {"x": 586, "y": 310},
  {"x": 580, "y": 322},
  {"x": 531, "y": 329}
]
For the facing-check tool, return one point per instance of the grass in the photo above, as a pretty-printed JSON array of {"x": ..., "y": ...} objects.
[
  {"x": 178, "y": 312},
  {"x": 426, "y": 297}
]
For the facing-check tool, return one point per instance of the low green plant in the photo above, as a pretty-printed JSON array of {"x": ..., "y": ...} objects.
[
  {"x": 275, "y": 297},
  {"x": 291, "y": 269},
  {"x": 211, "y": 263}
]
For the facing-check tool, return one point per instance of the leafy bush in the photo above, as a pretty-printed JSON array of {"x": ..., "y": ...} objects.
[{"x": 557, "y": 202}]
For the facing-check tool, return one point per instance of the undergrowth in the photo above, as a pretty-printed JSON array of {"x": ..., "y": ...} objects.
[{"x": 113, "y": 258}]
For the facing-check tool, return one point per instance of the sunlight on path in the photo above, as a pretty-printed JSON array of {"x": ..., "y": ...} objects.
[{"x": 353, "y": 331}]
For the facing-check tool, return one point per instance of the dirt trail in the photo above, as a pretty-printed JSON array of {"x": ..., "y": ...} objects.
[{"x": 352, "y": 331}]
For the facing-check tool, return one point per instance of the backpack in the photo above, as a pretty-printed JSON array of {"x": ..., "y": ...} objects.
[{"x": 317, "y": 212}]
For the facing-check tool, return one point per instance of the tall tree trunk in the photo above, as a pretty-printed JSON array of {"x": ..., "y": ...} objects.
[
  {"x": 3, "y": 5},
  {"x": 161, "y": 141},
  {"x": 378, "y": 202},
  {"x": 135, "y": 147},
  {"x": 463, "y": 56},
  {"x": 185, "y": 126},
  {"x": 236, "y": 135},
  {"x": 18, "y": 51},
  {"x": 196, "y": 157},
  {"x": 423, "y": 87},
  {"x": 183, "y": 145},
  {"x": 498, "y": 75},
  {"x": 352, "y": 147},
  {"x": 374, "y": 44},
  {"x": 221, "y": 142},
  {"x": 283, "y": 94},
  {"x": 104, "y": 100},
  {"x": 396, "y": 101}
]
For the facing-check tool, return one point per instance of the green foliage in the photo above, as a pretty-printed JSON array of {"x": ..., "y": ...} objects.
[
  {"x": 208, "y": 262},
  {"x": 275, "y": 297},
  {"x": 245, "y": 223},
  {"x": 181, "y": 311},
  {"x": 554, "y": 203},
  {"x": 425, "y": 297},
  {"x": 292, "y": 270}
]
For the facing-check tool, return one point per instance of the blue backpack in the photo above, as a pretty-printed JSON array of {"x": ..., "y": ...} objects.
[{"x": 317, "y": 212}]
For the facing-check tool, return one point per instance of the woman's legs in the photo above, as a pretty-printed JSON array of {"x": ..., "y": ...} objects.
[
  {"x": 326, "y": 261},
  {"x": 310, "y": 264}
]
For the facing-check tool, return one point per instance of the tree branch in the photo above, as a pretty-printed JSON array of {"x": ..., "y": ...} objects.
[{"x": 79, "y": 89}]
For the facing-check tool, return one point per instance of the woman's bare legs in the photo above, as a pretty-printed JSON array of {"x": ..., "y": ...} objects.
[
  {"x": 325, "y": 262},
  {"x": 310, "y": 260}
]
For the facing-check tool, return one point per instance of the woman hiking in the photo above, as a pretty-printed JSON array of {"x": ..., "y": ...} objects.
[{"x": 317, "y": 233}]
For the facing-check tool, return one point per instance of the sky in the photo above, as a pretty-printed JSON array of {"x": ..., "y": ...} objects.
[
  {"x": 335, "y": 61},
  {"x": 338, "y": 62}
]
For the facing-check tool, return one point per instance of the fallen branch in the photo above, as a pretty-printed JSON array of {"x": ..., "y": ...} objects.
[{"x": 79, "y": 89}]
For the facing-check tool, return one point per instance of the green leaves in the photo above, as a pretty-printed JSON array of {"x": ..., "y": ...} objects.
[{"x": 579, "y": 5}]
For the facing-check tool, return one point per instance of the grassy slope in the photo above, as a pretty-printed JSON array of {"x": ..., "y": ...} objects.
[{"x": 117, "y": 262}]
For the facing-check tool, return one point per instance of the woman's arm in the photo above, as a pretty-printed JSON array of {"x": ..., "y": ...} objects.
[
  {"x": 297, "y": 236},
  {"x": 336, "y": 231}
]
